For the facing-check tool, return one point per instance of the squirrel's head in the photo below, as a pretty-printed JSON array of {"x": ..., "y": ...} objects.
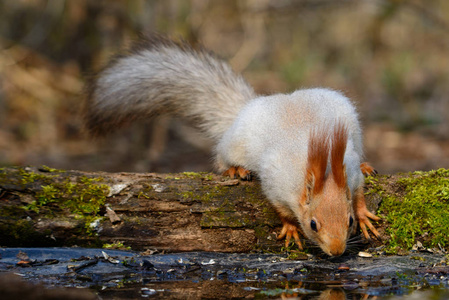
[{"x": 327, "y": 216}]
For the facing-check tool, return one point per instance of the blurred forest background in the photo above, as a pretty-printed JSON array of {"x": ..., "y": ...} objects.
[{"x": 391, "y": 57}]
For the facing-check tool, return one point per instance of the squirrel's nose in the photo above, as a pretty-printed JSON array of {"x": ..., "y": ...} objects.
[
  {"x": 337, "y": 252},
  {"x": 337, "y": 247}
]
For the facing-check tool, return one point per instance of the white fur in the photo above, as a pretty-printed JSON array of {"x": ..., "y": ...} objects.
[
  {"x": 166, "y": 77},
  {"x": 270, "y": 137}
]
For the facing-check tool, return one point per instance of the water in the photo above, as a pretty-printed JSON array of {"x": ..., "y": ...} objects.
[{"x": 112, "y": 274}]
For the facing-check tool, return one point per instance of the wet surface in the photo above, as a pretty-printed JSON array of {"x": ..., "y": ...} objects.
[{"x": 126, "y": 275}]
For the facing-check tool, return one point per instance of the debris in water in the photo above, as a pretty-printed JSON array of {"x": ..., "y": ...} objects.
[
  {"x": 109, "y": 259},
  {"x": 211, "y": 262},
  {"x": 343, "y": 267},
  {"x": 365, "y": 254}
]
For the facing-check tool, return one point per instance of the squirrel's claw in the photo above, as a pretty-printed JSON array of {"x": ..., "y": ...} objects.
[
  {"x": 243, "y": 173},
  {"x": 289, "y": 230},
  {"x": 367, "y": 169},
  {"x": 365, "y": 222}
]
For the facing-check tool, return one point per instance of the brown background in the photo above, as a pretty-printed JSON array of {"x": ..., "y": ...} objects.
[{"x": 391, "y": 57}]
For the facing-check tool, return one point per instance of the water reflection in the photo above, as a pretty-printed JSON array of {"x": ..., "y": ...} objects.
[
  {"x": 332, "y": 294},
  {"x": 329, "y": 294},
  {"x": 224, "y": 276}
]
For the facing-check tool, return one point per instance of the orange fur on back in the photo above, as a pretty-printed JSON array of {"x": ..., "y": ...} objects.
[
  {"x": 339, "y": 141},
  {"x": 317, "y": 156}
]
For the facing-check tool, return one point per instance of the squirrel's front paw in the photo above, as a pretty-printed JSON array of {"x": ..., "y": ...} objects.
[
  {"x": 288, "y": 231},
  {"x": 242, "y": 173},
  {"x": 362, "y": 215}
]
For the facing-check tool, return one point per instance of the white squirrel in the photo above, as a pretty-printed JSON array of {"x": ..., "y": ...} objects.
[{"x": 306, "y": 147}]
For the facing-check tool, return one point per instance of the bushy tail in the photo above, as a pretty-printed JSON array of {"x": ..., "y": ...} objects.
[{"x": 158, "y": 76}]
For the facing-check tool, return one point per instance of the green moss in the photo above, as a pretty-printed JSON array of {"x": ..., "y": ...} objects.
[
  {"x": 223, "y": 218},
  {"x": 205, "y": 194},
  {"x": 188, "y": 195},
  {"x": 21, "y": 176},
  {"x": 418, "y": 258},
  {"x": 45, "y": 168},
  {"x": 116, "y": 245},
  {"x": 27, "y": 177},
  {"x": 192, "y": 175},
  {"x": 374, "y": 185},
  {"x": 142, "y": 195},
  {"x": 296, "y": 255},
  {"x": 83, "y": 198},
  {"x": 208, "y": 177},
  {"x": 30, "y": 177},
  {"x": 198, "y": 175},
  {"x": 418, "y": 210}
]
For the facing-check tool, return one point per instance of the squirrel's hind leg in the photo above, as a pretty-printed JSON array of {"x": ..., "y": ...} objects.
[
  {"x": 367, "y": 169},
  {"x": 242, "y": 173}
]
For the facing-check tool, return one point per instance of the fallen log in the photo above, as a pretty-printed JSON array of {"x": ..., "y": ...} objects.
[{"x": 43, "y": 207}]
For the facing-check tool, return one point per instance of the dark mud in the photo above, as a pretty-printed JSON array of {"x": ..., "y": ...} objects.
[{"x": 113, "y": 274}]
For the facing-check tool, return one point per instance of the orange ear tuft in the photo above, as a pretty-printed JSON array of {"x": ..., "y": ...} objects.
[
  {"x": 339, "y": 141},
  {"x": 317, "y": 157}
]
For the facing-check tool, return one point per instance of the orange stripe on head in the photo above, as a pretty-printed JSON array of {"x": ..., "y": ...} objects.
[
  {"x": 339, "y": 142},
  {"x": 317, "y": 157}
]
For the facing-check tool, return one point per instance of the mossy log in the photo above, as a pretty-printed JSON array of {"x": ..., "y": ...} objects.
[{"x": 166, "y": 212}]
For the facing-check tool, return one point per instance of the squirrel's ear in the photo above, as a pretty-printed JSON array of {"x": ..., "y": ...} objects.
[
  {"x": 348, "y": 194},
  {"x": 310, "y": 185},
  {"x": 345, "y": 175},
  {"x": 339, "y": 142}
]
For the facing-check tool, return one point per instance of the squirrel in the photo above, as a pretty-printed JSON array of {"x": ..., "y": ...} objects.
[{"x": 305, "y": 147}]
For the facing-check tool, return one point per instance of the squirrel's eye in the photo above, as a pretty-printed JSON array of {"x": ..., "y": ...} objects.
[
  {"x": 351, "y": 220},
  {"x": 313, "y": 225}
]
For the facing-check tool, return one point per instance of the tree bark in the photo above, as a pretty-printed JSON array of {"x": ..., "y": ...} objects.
[{"x": 166, "y": 212}]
